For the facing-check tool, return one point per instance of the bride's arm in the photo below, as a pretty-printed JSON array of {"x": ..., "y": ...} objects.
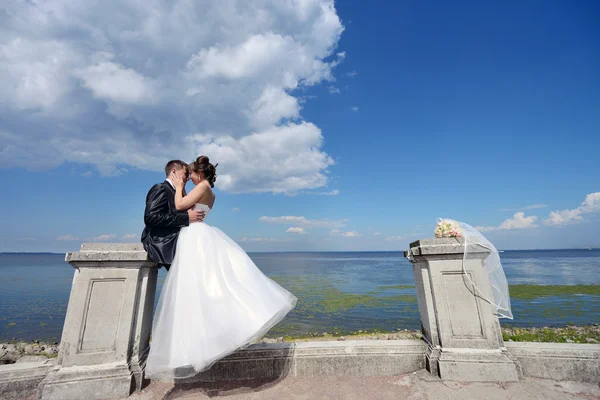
[{"x": 185, "y": 203}]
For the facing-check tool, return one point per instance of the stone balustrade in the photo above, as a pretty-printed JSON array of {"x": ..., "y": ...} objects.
[
  {"x": 106, "y": 334},
  {"x": 105, "y": 339},
  {"x": 459, "y": 326}
]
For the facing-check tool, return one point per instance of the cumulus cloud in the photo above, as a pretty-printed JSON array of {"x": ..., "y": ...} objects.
[
  {"x": 296, "y": 229},
  {"x": 591, "y": 204},
  {"x": 354, "y": 109},
  {"x": 168, "y": 80},
  {"x": 235, "y": 209},
  {"x": 284, "y": 159},
  {"x": 130, "y": 236},
  {"x": 518, "y": 221},
  {"x": 295, "y": 220},
  {"x": 110, "y": 81},
  {"x": 351, "y": 74}
]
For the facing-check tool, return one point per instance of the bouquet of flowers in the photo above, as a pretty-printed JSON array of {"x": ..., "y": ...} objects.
[{"x": 448, "y": 228}]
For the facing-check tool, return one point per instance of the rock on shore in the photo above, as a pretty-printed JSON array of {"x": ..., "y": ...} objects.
[{"x": 12, "y": 352}]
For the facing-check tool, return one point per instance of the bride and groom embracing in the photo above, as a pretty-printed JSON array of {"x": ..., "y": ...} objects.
[{"x": 214, "y": 299}]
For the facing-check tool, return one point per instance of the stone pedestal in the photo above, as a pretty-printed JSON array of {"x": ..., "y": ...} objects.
[
  {"x": 463, "y": 335},
  {"x": 105, "y": 340}
]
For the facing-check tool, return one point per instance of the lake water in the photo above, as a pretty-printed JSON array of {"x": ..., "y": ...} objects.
[{"x": 337, "y": 291}]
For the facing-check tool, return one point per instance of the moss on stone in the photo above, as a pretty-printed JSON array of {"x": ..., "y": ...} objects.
[{"x": 569, "y": 334}]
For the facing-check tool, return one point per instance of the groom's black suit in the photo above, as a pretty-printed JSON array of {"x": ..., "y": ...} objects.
[{"x": 163, "y": 223}]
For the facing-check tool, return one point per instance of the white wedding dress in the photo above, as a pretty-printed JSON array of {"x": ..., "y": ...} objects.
[{"x": 214, "y": 301}]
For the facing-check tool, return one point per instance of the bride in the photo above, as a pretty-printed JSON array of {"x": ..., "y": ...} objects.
[{"x": 214, "y": 299}]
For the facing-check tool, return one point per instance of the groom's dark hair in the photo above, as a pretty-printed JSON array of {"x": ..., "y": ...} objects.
[{"x": 177, "y": 164}]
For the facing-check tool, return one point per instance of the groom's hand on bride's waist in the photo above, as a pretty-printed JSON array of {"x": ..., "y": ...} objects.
[{"x": 195, "y": 216}]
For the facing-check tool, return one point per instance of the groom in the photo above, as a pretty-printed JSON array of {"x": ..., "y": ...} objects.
[{"x": 162, "y": 219}]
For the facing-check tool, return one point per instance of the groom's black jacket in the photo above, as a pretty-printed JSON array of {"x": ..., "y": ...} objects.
[{"x": 163, "y": 223}]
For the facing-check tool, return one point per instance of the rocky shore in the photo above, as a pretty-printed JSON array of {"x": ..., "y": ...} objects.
[
  {"x": 36, "y": 350},
  {"x": 27, "y": 351},
  {"x": 570, "y": 334}
]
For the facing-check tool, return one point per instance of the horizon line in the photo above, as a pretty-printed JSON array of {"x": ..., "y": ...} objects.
[{"x": 323, "y": 251}]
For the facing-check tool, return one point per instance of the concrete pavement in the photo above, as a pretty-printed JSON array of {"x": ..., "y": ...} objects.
[{"x": 414, "y": 386}]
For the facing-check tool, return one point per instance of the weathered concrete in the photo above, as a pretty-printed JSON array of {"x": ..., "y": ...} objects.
[
  {"x": 272, "y": 363},
  {"x": 348, "y": 358},
  {"x": 105, "y": 339},
  {"x": 463, "y": 334},
  {"x": 413, "y": 386},
  {"x": 558, "y": 361},
  {"x": 22, "y": 379},
  {"x": 358, "y": 358}
]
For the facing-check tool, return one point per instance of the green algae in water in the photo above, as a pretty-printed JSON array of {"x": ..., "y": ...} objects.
[
  {"x": 530, "y": 292},
  {"x": 317, "y": 295}
]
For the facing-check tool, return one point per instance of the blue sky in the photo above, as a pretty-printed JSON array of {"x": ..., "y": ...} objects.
[{"x": 343, "y": 126}]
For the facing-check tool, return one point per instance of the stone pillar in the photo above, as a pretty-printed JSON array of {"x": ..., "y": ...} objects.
[
  {"x": 463, "y": 334},
  {"x": 105, "y": 339}
]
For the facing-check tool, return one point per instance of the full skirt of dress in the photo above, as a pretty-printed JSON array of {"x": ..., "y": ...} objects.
[{"x": 214, "y": 301}]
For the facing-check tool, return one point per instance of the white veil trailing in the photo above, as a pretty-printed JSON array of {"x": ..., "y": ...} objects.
[{"x": 500, "y": 297}]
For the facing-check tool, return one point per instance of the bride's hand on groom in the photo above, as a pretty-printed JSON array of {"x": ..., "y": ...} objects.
[{"x": 177, "y": 181}]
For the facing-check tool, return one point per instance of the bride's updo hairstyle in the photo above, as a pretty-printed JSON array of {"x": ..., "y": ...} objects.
[{"x": 202, "y": 164}]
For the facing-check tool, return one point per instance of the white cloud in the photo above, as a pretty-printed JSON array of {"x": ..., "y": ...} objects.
[
  {"x": 294, "y": 220},
  {"x": 235, "y": 209},
  {"x": 395, "y": 238},
  {"x": 167, "y": 80},
  {"x": 518, "y": 221},
  {"x": 377, "y": 234},
  {"x": 258, "y": 239},
  {"x": 354, "y": 109},
  {"x": 337, "y": 232},
  {"x": 591, "y": 204},
  {"x": 352, "y": 234},
  {"x": 68, "y": 237},
  {"x": 297, "y": 230},
  {"x": 402, "y": 238},
  {"x": 527, "y": 208},
  {"x": 281, "y": 159},
  {"x": 130, "y": 236},
  {"x": 334, "y": 90},
  {"x": 334, "y": 192},
  {"x": 110, "y": 81},
  {"x": 105, "y": 237},
  {"x": 351, "y": 74}
]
